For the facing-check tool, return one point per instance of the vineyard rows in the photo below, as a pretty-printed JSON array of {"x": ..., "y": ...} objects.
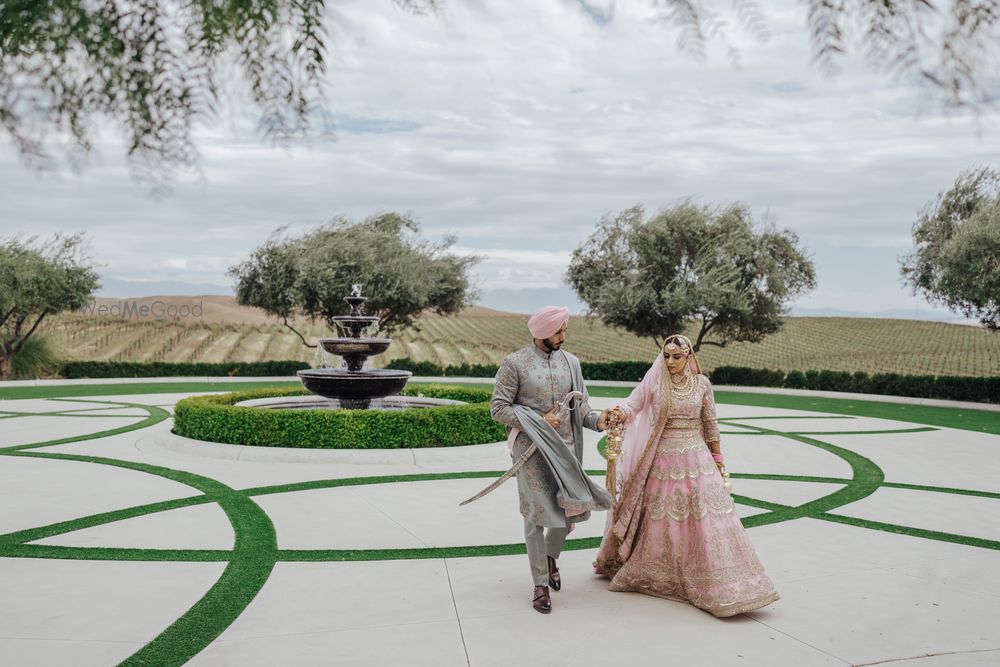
[{"x": 851, "y": 344}]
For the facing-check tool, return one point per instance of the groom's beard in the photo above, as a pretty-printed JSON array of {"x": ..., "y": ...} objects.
[{"x": 550, "y": 346}]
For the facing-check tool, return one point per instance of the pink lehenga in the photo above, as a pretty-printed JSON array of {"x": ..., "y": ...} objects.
[{"x": 674, "y": 531}]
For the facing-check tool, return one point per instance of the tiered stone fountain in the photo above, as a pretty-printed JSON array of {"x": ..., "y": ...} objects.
[{"x": 353, "y": 385}]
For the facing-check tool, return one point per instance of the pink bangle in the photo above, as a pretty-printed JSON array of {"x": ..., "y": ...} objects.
[{"x": 717, "y": 457}]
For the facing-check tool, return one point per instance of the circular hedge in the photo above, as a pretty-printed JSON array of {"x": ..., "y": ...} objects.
[{"x": 215, "y": 418}]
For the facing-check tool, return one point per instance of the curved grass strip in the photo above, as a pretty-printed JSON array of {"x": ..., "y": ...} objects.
[
  {"x": 14, "y": 544},
  {"x": 791, "y": 478},
  {"x": 8, "y": 549},
  {"x": 130, "y": 388},
  {"x": 966, "y": 540},
  {"x": 92, "y": 520},
  {"x": 59, "y": 552},
  {"x": 983, "y": 421},
  {"x": 758, "y": 417},
  {"x": 885, "y": 431},
  {"x": 380, "y": 479},
  {"x": 866, "y": 478},
  {"x": 155, "y": 416},
  {"x": 250, "y": 563},
  {"x": 255, "y": 551},
  {"x": 942, "y": 489},
  {"x": 760, "y": 504}
]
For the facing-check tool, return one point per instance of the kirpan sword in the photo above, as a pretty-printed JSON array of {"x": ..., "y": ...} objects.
[{"x": 519, "y": 463}]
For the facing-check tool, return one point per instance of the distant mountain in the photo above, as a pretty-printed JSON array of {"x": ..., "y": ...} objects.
[
  {"x": 122, "y": 289},
  {"x": 526, "y": 301},
  {"x": 504, "y": 300},
  {"x": 522, "y": 301},
  {"x": 923, "y": 314},
  {"x": 209, "y": 308}
]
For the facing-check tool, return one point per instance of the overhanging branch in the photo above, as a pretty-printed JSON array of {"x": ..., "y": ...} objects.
[{"x": 295, "y": 331}]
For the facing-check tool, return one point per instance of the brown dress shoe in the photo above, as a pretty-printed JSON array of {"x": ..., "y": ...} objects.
[
  {"x": 554, "y": 580},
  {"x": 542, "y": 602}
]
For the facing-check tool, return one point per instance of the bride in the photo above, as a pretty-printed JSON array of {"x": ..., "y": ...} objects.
[{"x": 674, "y": 531}]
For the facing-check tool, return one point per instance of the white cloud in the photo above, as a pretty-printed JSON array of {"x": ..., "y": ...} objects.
[{"x": 516, "y": 125}]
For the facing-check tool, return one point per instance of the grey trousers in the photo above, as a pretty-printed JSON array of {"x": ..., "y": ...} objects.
[{"x": 542, "y": 542}]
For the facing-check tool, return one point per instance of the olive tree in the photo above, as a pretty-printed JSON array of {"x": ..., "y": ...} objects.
[
  {"x": 154, "y": 70},
  {"x": 311, "y": 274},
  {"x": 956, "y": 255},
  {"x": 690, "y": 264},
  {"x": 39, "y": 279}
]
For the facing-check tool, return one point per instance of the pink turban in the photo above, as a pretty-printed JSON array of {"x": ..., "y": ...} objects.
[{"x": 548, "y": 321}]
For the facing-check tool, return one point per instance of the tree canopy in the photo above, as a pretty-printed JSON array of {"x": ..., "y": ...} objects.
[
  {"x": 311, "y": 274},
  {"x": 39, "y": 279},
  {"x": 956, "y": 255},
  {"x": 690, "y": 263},
  {"x": 153, "y": 70}
]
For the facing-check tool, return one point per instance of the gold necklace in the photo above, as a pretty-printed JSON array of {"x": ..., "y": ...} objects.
[{"x": 685, "y": 389}]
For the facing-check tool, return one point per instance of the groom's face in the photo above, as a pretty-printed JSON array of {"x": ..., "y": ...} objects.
[{"x": 554, "y": 342}]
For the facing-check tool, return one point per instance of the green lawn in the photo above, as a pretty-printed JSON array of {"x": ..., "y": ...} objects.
[{"x": 983, "y": 421}]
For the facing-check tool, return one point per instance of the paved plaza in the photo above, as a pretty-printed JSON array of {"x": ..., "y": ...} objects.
[{"x": 120, "y": 541}]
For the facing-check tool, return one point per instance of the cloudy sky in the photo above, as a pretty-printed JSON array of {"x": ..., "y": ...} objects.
[{"x": 517, "y": 125}]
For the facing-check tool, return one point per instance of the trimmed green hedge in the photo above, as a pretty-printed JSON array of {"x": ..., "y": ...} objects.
[
  {"x": 622, "y": 371},
  {"x": 144, "y": 369},
  {"x": 216, "y": 419},
  {"x": 430, "y": 369},
  {"x": 980, "y": 389},
  {"x": 603, "y": 370}
]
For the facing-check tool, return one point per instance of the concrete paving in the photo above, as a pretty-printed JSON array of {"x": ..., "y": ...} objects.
[{"x": 893, "y": 574}]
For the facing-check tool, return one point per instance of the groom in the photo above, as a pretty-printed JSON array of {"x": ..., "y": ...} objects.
[{"x": 554, "y": 491}]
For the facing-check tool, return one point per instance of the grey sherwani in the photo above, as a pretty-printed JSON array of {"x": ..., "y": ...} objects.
[{"x": 539, "y": 381}]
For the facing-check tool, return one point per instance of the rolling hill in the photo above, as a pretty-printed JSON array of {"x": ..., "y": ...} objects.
[{"x": 226, "y": 331}]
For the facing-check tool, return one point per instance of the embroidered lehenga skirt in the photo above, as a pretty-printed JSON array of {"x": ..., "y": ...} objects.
[{"x": 690, "y": 544}]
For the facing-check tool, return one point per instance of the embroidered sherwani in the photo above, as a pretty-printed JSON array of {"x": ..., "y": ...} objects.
[{"x": 539, "y": 381}]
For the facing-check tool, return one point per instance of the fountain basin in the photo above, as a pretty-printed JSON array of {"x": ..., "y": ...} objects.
[
  {"x": 345, "y": 346},
  {"x": 354, "y": 389},
  {"x": 317, "y": 403},
  {"x": 352, "y": 326}
]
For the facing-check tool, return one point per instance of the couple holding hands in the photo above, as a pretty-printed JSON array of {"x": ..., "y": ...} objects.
[{"x": 672, "y": 529}]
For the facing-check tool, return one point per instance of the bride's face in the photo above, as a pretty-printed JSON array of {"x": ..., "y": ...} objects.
[{"x": 676, "y": 360}]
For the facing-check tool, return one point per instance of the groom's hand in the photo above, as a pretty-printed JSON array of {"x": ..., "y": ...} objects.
[{"x": 552, "y": 419}]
